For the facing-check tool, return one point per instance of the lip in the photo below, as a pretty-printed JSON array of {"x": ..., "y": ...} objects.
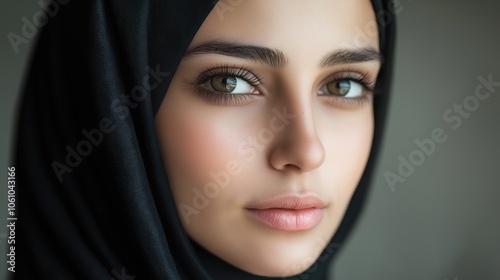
[{"x": 289, "y": 212}]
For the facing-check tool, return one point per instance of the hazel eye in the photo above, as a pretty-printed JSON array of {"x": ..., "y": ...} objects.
[
  {"x": 343, "y": 88},
  {"x": 229, "y": 84}
]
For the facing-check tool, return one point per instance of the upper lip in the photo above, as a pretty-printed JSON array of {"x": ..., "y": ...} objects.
[{"x": 290, "y": 201}]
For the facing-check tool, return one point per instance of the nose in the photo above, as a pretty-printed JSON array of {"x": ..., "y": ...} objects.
[{"x": 298, "y": 146}]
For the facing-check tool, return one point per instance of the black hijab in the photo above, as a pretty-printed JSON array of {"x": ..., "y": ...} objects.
[{"x": 93, "y": 201}]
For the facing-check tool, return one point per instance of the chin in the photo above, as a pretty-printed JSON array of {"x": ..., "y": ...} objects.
[
  {"x": 289, "y": 256},
  {"x": 282, "y": 267}
]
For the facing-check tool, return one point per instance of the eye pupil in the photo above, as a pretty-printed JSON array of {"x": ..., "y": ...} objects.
[
  {"x": 340, "y": 88},
  {"x": 224, "y": 83}
]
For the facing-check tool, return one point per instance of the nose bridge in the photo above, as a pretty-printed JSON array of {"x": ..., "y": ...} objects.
[
  {"x": 299, "y": 143},
  {"x": 299, "y": 96},
  {"x": 301, "y": 106}
]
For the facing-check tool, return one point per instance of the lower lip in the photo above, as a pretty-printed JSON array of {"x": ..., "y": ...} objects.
[{"x": 287, "y": 219}]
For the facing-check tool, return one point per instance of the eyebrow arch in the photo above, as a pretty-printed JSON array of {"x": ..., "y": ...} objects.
[
  {"x": 277, "y": 58},
  {"x": 272, "y": 57},
  {"x": 347, "y": 56}
]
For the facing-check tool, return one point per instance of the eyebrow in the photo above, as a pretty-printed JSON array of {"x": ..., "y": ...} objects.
[
  {"x": 272, "y": 57},
  {"x": 348, "y": 56},
  {"x": 277, "y": 58}
]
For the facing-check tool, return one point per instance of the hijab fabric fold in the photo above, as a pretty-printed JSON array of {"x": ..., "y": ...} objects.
[{"x": 93, "y": 196}]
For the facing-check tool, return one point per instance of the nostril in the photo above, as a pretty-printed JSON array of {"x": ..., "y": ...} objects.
[{"x": 304, "y": 153}]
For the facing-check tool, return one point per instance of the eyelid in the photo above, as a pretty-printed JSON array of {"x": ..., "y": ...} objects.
[
  {"x": 365, "y": 79},
  {"x": 220, "y": 98},
  {"x": 349, "y": 103},
  {"x": 244, "y": 73}
]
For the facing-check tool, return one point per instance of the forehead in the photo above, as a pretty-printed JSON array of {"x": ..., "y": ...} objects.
[{"x": 296, "y": 27}]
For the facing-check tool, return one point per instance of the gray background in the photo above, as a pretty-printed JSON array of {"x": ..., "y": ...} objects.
[{"x": 442, "y": 222}]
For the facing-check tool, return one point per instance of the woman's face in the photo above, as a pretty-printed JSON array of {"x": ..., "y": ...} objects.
[{"x": 267, "y": 126}]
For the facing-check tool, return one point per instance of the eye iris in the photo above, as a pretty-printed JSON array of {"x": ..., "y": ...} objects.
[
  {"x": 224, "y": 83},
  {"x": 340, "y": 88}
]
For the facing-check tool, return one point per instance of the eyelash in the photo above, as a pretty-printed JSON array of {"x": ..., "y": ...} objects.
[
  {"x": 366, "y": 80},
  {"x": 224, "y": 70}
]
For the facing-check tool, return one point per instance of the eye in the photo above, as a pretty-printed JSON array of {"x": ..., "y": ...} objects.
[
  {"x": 343, "y": 88},
  {"x": 229, "y": 84}
]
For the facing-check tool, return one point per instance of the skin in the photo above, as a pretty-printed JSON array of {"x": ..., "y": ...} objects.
[{"x": 321, "y": 150}]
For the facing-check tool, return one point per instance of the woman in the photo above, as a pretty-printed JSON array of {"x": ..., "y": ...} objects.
[{"x": 177, "y": 140}]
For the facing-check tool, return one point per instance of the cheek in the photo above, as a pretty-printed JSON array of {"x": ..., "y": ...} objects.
[
  {"x": 198, "y": 144},
  {"x": 194, "y": 145},
  {"x": 352, "y": 148},
  {"x": 191, "y": 149},
  {"x": 349, "y": 143}
]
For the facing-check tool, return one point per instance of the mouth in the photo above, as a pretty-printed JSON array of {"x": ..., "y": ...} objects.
[{"x": 289, "y": 213}]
